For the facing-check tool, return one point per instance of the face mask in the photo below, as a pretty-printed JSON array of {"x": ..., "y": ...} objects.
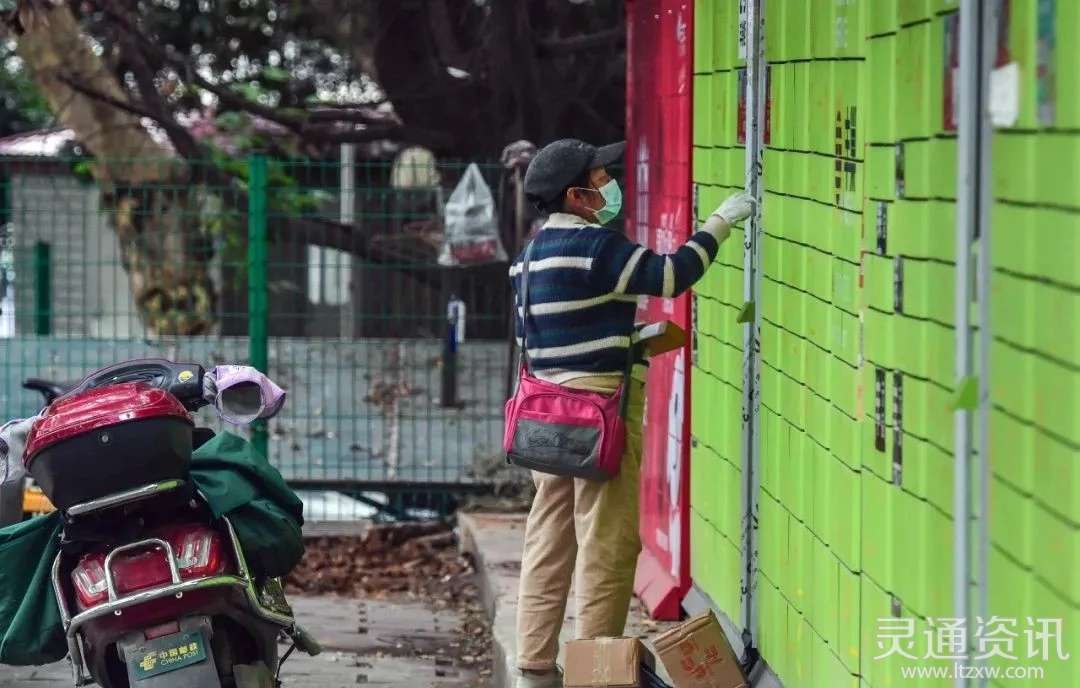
[{"x": 612, "y": 196}]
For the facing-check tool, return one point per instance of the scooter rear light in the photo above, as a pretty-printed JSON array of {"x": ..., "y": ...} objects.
[
  {"x": 198, "y": 550},
  {"x": 140, "y": 570},
  {"x": 199, "y": 553},
  {"x": 89, "y": 579}
]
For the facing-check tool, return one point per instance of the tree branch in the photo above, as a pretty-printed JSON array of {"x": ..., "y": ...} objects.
[
  {"x": 79, "y": 87},
  {"x": 447, "y": 47},
  {"x": 176, "y": 133},
  {"x": 188, "y": 72},
  {"x": 588, "y": 110},
  {"x": 303, "y": 125},
  {"x": 612, "y": 38},
  {"x": 181, "y": 138},
  {"x": 350, "y": 114},
  {"x": 425, "y": 137}
]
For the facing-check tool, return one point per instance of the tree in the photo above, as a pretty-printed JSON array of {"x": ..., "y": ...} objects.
[
  {"x": 462, "y": 77},
  {"x": 494, "y": 72},
  {"x": 162, "y": 248}
]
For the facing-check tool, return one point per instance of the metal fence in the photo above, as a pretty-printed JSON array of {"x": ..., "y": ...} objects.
[{"x": 324, "y": 274}]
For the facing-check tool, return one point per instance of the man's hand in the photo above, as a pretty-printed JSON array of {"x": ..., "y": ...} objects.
[{"x": 736, "y": 208}]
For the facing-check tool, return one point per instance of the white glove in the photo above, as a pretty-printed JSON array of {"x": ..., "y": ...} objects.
[{"x": 736, "y": 208}]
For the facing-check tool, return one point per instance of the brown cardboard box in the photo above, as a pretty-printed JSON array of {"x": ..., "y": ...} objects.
[
  {"x": 661, "y": 337},
  {"x": 696, "y": 654},
  {"x": 604, "y": 663}
]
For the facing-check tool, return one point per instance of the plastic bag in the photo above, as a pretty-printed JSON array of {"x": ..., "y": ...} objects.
[{"x": 472, "y": 235}]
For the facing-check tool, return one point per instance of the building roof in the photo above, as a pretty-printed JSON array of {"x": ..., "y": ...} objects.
[{"x": 46, "y": 143}]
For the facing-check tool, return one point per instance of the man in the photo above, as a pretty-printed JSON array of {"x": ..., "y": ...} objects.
[{"x": 584, "y": 280}]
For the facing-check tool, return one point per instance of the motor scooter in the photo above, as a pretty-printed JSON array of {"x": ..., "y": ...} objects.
[{"x": 154, "y": 591}]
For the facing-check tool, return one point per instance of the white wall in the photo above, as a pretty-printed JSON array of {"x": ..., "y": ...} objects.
[{"x": 90, "y": 293}]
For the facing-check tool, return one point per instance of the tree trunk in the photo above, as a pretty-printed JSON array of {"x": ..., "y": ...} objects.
[{"x": 143, "y": 184}]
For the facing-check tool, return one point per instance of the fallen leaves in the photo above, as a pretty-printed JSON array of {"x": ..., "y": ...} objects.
[{"x": 416, "y": 559}]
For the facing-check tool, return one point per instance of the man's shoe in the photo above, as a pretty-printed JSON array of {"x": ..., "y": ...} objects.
[{"x": 538, "y": 679}]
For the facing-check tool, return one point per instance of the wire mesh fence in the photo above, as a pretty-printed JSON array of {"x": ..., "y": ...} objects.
[{"x": 325, "y": 274}]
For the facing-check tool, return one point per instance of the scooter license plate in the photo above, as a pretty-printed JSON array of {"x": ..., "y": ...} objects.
[{"x": 167, "y": 654}]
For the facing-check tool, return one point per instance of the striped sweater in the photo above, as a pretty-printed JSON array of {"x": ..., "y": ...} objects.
[{"x": 584, "y": 282}]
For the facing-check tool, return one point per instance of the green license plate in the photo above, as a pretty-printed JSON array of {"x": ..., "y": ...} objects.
[{"x": 168, "y": 654}]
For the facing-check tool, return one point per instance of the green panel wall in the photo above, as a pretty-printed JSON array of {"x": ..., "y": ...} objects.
[
  {"x": 810, "y": 527},
  {"x": 716, "y": 384},
  {"x": 1035, "y": 352},
  {"x": 908, "y": 330},
  {"x": 858, "y": 335}
]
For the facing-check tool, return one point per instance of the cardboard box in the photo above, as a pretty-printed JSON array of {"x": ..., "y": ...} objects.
[
  {"x": 604, "y": 663},
  {"x": 661, "y": 337},
  {"x": 696, "y": 654}
]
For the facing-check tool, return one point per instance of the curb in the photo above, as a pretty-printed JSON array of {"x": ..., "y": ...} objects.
[{"x": 497, "y": 566}]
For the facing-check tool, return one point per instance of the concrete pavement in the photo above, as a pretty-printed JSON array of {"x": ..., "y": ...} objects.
[{"x": 366, "y": 642}]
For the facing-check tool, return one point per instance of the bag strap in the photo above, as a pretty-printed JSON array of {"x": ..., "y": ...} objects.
[
  {"x": 631, "y": 359},
  {"x": 525, "y": 304}
]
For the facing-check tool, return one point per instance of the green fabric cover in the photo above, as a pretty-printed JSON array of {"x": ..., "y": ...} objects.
[
  {"x": 236, "y": 480},
  {"x": 239, "y": 482},
  {"x": 30, "y": 628}
]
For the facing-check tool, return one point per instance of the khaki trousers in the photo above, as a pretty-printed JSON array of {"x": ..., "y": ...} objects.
[{"x": 584, "y": 526}]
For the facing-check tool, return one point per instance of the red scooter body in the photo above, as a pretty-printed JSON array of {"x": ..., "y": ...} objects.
[{"x": 154, "y": 591}]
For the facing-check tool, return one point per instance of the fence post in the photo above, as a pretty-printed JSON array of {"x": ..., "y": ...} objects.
[
  {"x": 258, "y": 298},
  {"x": 42, "y": 289},
  {"x": 344, "y": 262},
  {"x": 455, "y": 336}
]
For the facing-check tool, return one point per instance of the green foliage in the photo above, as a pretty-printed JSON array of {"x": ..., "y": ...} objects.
[
  {"x": 22, "y": 107},
  {"x": 82, "y": 168},
  {"x": 275, "y": 74},
  {"x": 286, "y": 197},
  {"x": 258, "y": 47}
]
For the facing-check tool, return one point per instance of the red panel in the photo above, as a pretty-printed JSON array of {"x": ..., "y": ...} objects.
[{"x": 658, "y": 209}]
